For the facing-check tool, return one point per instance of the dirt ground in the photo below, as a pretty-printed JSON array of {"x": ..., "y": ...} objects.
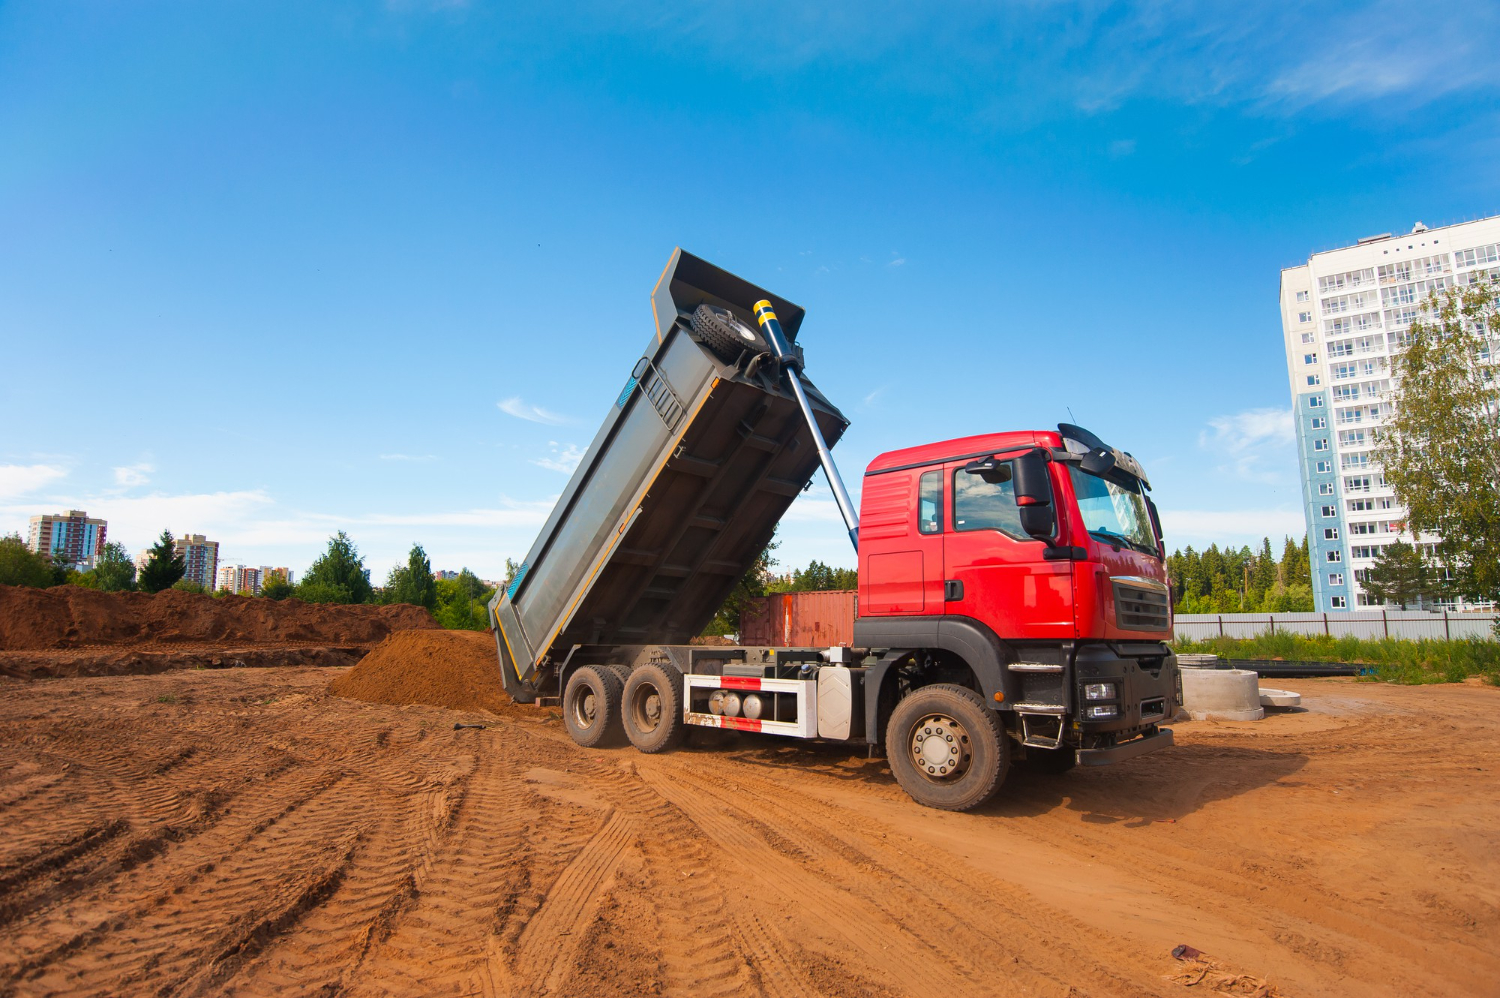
[{"x": 242, "y": 831}]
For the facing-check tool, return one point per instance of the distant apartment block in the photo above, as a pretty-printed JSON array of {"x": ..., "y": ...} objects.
[
  {"x": 200, "y": 556},
  {"x": 443, "y": 574},
  {"x": 249, "y": 579},
  {"x": 241, "y": 579},
  {"x": 70, "y": 536},
  {"x": 1345, "y": 314}
]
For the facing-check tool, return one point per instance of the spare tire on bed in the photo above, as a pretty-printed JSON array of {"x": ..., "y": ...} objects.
[{"x": 725, "y": 333}]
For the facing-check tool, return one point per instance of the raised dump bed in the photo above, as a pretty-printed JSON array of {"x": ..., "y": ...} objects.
[{"x": 698, "y": 459}]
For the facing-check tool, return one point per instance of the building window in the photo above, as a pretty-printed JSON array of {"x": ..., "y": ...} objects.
[
  {"x": 1338, "y": 602},
  {"x": 930, "y": 506},
  {"x": 1316, "y": 402},
  {"x": 1309, "y": 338},
  {"x": 1330, "y": 533},
  {"x": 1324, "y": 467},
  {"x": 1309, "y": 358},
  {"x": 1335, "y": 578},
  {"x": 1320, "y": 444},
  {"x": 1313, "y": 379},
  {"x": 1325, "y": 488},
  {"x": 1302, "y": 296},
  {"x": 1318, "y": 422},
  {"x": 1330, "y": 511},
  {"x": 1304, "y": 316},
  {"x": 1335, "y": 555}
]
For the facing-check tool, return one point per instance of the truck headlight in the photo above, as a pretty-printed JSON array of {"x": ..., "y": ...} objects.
[
  {"x": 1099, "y": 691},
  {"x": 1102, "y": 712}
]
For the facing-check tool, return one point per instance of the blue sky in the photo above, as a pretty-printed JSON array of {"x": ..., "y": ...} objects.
[{"x": 271, "y": 270}]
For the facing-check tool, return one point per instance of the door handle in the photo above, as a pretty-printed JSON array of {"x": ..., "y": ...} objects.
[{"x": 953, "y": 589}]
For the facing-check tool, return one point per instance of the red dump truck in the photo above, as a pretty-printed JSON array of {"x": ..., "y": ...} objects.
[{"x": 1013, "y": 602}]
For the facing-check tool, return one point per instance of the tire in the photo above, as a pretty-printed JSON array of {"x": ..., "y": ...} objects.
[
  {"x": 966, "y": 767},
  {"x": 723, "y": 332},
  {"x": 1053, "y": 762},
  {"x": 591, "y": 706},
  {"x": 652, "y": 708}
]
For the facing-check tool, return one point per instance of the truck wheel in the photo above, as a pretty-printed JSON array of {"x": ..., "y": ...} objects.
[
  {"x": 725, "y": 334},
  {"x": 591, "y": 706},
  {"x": 1054, "y": 762},
  {"x": 652, "y": 709},
  {"x": 946, "y": 748}
]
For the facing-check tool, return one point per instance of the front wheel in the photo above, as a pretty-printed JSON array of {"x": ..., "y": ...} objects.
[{"x": 946, "y": 748}]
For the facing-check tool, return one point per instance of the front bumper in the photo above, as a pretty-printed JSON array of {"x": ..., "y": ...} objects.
[
  {"x": 1145, "y": 677},
  {"x": 1125, "y": 750}
]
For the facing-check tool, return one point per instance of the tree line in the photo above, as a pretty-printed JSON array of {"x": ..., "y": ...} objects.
[
  {"x": 338, "y": 575},
  {"x": 1242, "y": 581}
]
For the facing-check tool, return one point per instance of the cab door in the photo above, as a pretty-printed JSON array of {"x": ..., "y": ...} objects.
[{"x": 994, "y": 572}]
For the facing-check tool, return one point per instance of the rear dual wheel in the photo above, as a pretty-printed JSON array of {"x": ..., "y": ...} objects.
[
  {"x": 946, "y": 748},
  {"x": 591, "y": 706},
  {"x": 652, "y": 708}
]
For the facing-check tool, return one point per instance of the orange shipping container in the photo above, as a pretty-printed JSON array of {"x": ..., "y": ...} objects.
[{"x": 800, "y": 620}]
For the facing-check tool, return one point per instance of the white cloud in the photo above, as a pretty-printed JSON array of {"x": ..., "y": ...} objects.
[
  {"x": 134, "y": 474},
  {"x": 514, "y": 406},
  {"x": 563, "y": 459},
  {"x": 23, "y": 479},
  {"x": 874, "y": 396},
  {"x": 1257, "y": 444}
]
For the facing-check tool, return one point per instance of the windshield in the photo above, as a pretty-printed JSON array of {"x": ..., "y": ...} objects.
[{"x": 1113, "y": 513}]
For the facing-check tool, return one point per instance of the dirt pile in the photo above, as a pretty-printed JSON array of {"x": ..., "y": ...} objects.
[
  {"x": 454, "y": 669},
  {"x": 73, "y": 617}
]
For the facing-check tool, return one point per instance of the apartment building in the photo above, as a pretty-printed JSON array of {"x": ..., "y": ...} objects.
[
  {"x": 72, "y": 536},
  {"x": 1344, "y": 314},
  {"x": 200, "y": 556},
  {"x": 241, "y": 579}
]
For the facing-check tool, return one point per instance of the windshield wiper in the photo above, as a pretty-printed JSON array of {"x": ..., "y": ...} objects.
[{"x": 1120, "y": 540}]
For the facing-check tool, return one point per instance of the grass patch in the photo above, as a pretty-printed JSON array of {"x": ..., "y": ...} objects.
[
  {"x": 167, "y": 698},
  {"x": 1394, "y": 660}
]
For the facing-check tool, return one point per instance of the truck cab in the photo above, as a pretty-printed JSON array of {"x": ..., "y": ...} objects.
[{"x": 1027, "y": 567}]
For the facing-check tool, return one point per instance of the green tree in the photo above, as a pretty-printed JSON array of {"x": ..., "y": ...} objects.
[
  {"x": 413, "y": 582},
  {"x": 313, "y": 591},
  {"x": 189, "y": 586},
  {"x": 816, "y": 577},
  {"x": 461, "y": 602},
  {"x": 275, "y": 586},
  {"x": 1440, "y": 449},
  {"x": 511, "y": 568},
  {"x": 114, "y": 570},
  {"x": 163, "y": 566},
  {"x": 340, "y": 569},
  {"x": 1401, "y": 575},
  {"x": 20, "y": 566}
]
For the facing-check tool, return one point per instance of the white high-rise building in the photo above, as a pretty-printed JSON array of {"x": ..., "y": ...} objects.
[{"x": 1344, "y": 314}]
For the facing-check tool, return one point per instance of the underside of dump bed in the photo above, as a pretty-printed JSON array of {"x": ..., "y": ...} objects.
[{"x": 680, "y": 491}]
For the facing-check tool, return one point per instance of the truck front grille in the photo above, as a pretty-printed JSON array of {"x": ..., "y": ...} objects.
[
  {"x": 1153, "y": 708},
  {"x": 1140, "y": 609}
]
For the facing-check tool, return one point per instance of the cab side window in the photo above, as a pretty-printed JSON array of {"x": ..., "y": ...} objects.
[
  {"x": 986, "y": 500},
  {"x": 930, "y": 503}
]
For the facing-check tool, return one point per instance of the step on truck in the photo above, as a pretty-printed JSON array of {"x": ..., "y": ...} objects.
[{"x": 1013, "y": 601}]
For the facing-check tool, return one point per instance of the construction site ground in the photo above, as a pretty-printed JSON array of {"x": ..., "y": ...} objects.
[{"x": 244, "y": 831}]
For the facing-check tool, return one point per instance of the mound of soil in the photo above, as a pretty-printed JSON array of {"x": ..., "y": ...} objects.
[
  {"x": 74, "y": 617},
  {"x": 455, "y": 669}
]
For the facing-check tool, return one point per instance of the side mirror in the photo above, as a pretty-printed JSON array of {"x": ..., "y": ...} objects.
[{"x": 1034, "y": 496}]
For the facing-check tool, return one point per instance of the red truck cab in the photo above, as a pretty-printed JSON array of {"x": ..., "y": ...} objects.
[{"x": 1029, "y": 567}]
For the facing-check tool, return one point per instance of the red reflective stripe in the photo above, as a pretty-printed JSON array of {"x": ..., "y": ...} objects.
[
  {"x": 1028, "y": 501},
  {"x": 740, "y": 683},
  {"x": 742, "y": 723}
]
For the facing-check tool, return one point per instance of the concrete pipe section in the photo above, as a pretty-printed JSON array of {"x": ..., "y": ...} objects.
[
  {"x": 1279, "y": 698},
  {"x": 1222, "y": 695}
]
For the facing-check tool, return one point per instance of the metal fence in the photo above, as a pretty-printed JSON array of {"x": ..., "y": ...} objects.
[{"x": 1358, "y": 623}]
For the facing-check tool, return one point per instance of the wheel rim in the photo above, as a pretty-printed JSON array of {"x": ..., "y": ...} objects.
[
  {"x": 646, "y": 707},
  {"x": 940, "y": 748},
  {"x": 585, "y": 708}
]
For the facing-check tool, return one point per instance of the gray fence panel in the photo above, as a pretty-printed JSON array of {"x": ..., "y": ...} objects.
[{"x": 1370, "y": 624}]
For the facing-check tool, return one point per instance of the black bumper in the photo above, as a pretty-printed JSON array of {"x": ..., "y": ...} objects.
[{"x": 1125, "y": 750}]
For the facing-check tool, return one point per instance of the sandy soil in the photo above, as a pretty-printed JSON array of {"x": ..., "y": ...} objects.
[{"x": 244, "y": 832}]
